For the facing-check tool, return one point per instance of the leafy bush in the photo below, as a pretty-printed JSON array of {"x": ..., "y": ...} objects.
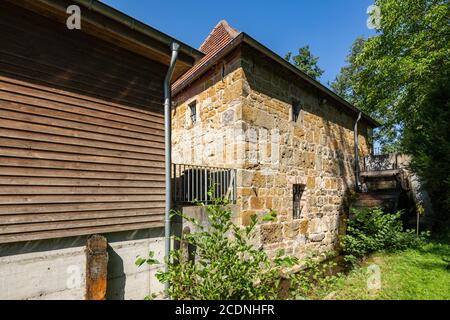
[
  {"x": 229, "y": 266},
  {"x": 371, "y": 230}
]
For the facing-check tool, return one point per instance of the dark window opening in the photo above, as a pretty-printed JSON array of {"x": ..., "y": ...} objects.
[
  {"x": 223, "y": 70},
  {"x": 296, "y": 108},
  {"x": 298, "y": 190},
  {"x": 193, "y": 110}
]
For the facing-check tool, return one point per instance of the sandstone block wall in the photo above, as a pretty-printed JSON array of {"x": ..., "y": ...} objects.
[{"x": 245, "y": 122}]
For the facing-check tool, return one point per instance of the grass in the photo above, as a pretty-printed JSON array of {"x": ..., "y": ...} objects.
[{"x": 413, "y": 274}]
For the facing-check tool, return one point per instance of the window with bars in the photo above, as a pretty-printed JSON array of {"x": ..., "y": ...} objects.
[
  {"x": 297, "y": 190},
  {"x": 296, "y": 108},
  {"x": 193, "y": 112}
]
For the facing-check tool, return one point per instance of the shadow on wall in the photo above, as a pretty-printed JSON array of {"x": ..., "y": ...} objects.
[
  {"x": 276, "y": 83},
  {"x": 43, "y": 246},
  {"x": 208, "y": 80},
  {"x": 41, "y": 269},
  {"x": 116, "y": 276}
]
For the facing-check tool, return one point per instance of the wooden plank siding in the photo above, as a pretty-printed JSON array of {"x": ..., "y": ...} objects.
[{"x": 81, "y": 132}]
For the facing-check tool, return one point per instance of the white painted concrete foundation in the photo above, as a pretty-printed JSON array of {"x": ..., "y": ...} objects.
[{"x": 55, "y": 269}]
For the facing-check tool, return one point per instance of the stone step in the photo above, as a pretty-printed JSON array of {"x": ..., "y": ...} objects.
[
  {"x": 378, "y": 195},
  {"x": 376, "y": 185},
  {"x": 373, "y": 203},
  {"x": 386, "y": 200}
]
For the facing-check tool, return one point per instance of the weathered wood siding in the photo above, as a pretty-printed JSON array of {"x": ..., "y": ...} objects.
[{"x": 81, "y": 132}]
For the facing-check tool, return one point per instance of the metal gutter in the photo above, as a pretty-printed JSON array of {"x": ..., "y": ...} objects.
[{"x": 137, "y": 25}]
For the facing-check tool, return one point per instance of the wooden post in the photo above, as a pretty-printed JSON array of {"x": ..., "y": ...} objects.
[{"x": 96, "y": 267}]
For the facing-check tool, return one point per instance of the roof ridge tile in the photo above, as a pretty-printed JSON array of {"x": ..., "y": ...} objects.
[{"x": 221, "y": 30}]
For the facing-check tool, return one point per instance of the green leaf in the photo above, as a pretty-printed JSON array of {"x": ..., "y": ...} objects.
[{"x": 140, "y": 261}]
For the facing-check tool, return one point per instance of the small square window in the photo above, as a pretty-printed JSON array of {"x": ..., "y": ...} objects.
[
  {"x": 296, "y": 108},
  {"x": 193, "y": 112},
  {"x": 297, "y": 193}
]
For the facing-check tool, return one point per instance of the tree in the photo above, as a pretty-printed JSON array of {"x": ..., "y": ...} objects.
[
  {"x": 427, "y": 139},
  {"x": 402, "y": 78},
  {"x": 306, "y": 62},
  {"x": 346, "y": 86},
  {"x": 344, "y": 83}
]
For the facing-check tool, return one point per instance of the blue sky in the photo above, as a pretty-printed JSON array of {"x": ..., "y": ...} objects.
[{"x": 328, "y": 26}]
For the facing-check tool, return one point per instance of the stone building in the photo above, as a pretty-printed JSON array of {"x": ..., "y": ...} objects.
[{"x": 290, "y": 138}]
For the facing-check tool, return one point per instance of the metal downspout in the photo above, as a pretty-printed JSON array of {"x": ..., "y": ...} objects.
[
  {"x": 168, "y": 149},
  {"x": 357, "y": 153}
]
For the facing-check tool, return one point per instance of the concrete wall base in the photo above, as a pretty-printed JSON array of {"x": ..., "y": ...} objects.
[{"x": 56, "y": 268}]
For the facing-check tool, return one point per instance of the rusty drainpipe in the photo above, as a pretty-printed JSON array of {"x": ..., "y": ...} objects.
[{"x": 168, "y": 150}]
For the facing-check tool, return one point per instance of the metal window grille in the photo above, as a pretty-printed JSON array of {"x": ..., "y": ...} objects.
[
  {"x": 192, "y": 183},
  {"x": 380, "y": 162},
  {"x": 298, "y": 190},
  {"x": 193, "y": 110}
]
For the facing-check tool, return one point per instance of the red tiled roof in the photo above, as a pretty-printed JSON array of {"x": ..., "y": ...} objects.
[{"x": 218, "y": 39}]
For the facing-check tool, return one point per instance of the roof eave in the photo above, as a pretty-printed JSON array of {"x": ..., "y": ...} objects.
[
  {"x": 139, "y": 26},
  {"x": 243, "y": 37}
]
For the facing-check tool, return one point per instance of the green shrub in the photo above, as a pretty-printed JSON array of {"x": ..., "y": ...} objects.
[
  {"x": 371, "y": 230},
  {"x": 229, "y": 266}
]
